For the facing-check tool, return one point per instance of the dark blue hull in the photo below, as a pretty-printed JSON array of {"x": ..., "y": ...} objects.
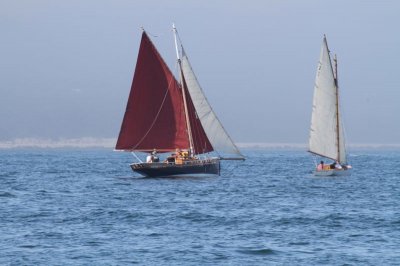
[{"x": 207, "y": 166}]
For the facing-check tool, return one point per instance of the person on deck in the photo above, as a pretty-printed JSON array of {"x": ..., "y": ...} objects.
[
  {"x": 156, "y": 159},
  {"x": 149, "y": 158},
  {"x": 337, "y": 165},
  {"x": 320, "y": 166}
]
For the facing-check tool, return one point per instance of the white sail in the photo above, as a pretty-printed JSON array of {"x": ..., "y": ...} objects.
[
  {"x": 213, "y": 128},
  {"x": 323, "y": 132}
]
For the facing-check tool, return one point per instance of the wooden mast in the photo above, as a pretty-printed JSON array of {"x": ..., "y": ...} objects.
[
  {"x": 337, "y": 108},
  {"x": 189, "y": 128}
]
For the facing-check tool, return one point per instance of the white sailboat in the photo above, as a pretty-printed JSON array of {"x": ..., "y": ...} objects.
[{"x": 326, "y": 132}]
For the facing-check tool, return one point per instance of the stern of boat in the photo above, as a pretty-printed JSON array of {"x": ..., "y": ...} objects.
[{"x": 333, "y": 172}]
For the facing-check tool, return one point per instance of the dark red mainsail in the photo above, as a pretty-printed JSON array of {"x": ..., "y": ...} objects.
[
  {"x": 155, "y": 113},
  {"x": 154, "y": 116}
]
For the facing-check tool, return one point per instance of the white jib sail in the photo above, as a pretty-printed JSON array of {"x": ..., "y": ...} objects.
[
  {"x": 216, "y": 133},
  {"x": 323, "y": 131}
]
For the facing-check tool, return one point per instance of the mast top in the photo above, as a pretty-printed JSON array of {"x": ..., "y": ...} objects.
[{"x": 176, "y": 41}]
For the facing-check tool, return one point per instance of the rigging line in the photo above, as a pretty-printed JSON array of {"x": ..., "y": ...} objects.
[
  {"x": 156, "y": 117},
  {"x": 151, "y": 34},
  {"x": 134, "y": 154}
]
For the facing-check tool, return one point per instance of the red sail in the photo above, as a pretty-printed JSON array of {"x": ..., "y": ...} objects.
[
  {"x": 200, "y": 140},
  {"x": 154, "y": 116}
]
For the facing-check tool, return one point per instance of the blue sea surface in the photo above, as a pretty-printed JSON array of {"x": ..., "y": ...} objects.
[{"x": 86, "y": 207}]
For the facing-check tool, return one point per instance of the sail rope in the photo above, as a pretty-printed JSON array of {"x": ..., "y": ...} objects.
[
  {"x": 156, "y": 117},
  {"x": 151, "y": 34},
  {"x": 134, "y": 155}
]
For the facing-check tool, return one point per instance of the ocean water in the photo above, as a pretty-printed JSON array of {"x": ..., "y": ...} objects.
[{"x": 86, "y": 207}]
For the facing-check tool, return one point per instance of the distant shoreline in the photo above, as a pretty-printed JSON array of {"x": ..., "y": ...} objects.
[{"x": 109, "y": 143}]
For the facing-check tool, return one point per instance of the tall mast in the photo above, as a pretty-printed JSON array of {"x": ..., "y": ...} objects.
[
  {"x": 337, "y": 107},
  {"x": 189, "y": 128}
]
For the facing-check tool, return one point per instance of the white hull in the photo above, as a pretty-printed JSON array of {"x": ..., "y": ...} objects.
[{"x": 333, "y": 172}]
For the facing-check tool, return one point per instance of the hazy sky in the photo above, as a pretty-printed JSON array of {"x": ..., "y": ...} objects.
[{"x": 66, "y": 66}]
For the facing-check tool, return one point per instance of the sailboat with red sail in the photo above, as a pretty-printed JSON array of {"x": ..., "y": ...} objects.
[{"x": 169, "y": 115}]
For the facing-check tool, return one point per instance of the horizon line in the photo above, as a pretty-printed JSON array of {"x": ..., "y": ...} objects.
[{"x": 90, "y": 142}]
